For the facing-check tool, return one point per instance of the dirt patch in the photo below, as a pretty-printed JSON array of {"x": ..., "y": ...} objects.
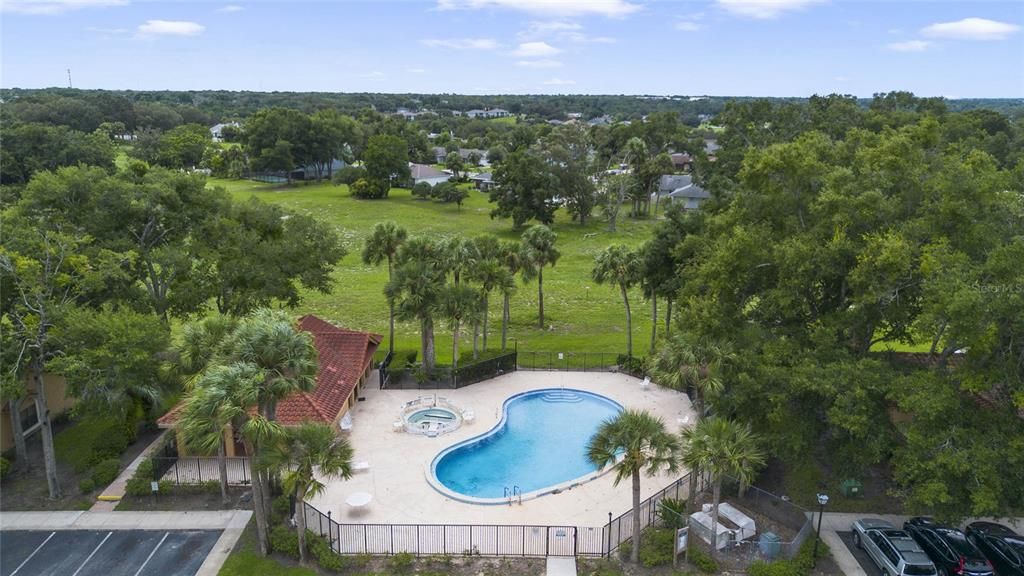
[{"x": 803, "y": 482}]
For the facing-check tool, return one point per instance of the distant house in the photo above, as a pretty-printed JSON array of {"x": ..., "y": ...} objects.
[
  {"x": 483, "y": 181},
  {"x": 217, "y": 130},
  {"x": 428, "y": 174},
  {"x": 682, "y": 161},
  {"x": 601, "y": 120},
  {"x": 412, "y": 114},
  {"x": 488, "y": 113},
  {"x": 711, "y": 147},
  {"x": 346, "y": 361},
  {"x": 441, "y": 154},
  {"x": 574, "y": 115},
  {"x": 680, "y": 188}
]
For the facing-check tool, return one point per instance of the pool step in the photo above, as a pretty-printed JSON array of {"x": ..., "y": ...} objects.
[{"x": 561, "y": 396}]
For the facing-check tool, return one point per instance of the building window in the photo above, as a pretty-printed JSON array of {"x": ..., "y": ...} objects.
[{"x": 30, "y": 420}]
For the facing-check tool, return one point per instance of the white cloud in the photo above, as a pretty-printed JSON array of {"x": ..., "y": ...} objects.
[
  {"x": 416, "y": 70},
  {"x": 971, "y": 29},
  {"x": 611, "y": 8},
  {"x": 842, "y": 78},
  {"x": 50, "y": 7},
  {"x": 559, "y": 82},
  {"x": 539, "y": 63},
  {"x": 909, "y": 46},
  {"x": 535, "y": 50},
  {"x": 375, "y": 75},
  {"x": 561, "y": 30},
  {"x": 688, "y": 26},
  {"x": 463, "y": 43},
  {"x": 230, "y": 8},
  {"x": 764, "y": 9},
  {"x": 170, "y": 28}
]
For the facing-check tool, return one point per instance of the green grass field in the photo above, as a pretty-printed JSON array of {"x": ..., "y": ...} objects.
[{"x": 580, "y": 315}]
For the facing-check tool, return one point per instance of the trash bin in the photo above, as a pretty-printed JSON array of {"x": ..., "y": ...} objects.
[
  {"x": 770, "y": 545},
  {"x": 852, "y": 488}
]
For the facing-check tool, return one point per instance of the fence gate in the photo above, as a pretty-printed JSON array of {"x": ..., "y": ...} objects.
[{"x": 561, "y": 541}]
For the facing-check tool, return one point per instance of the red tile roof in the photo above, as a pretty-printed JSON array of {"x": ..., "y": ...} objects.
[{"x": 344, "y": 357}]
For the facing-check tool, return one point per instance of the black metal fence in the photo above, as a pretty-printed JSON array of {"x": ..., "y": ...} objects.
[
  {"x": 455, "y": 539},
  {"x": 384, "y": 370},
  {"x": 191, "y": 470},
  {"x": 569, "y": 361},
  {"x": 489, "y": 540},
  {"x": 620, "y": 529},
  {"x": 484, "y": 369}
]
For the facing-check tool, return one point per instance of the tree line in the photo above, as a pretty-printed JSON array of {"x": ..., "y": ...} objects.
[{"x": 95, "y": 265}]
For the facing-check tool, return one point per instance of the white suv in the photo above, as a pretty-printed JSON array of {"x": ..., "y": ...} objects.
[{"x": 893, "y": 550}]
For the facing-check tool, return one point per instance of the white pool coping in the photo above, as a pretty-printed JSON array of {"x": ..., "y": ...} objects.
[{"x": 400, "y": 463}]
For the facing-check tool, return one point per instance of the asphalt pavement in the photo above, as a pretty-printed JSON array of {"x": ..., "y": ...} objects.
[{"x": 104, "y": 552}]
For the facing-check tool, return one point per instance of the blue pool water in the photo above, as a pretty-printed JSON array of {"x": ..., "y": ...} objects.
[{"x": 540, "y": 443}]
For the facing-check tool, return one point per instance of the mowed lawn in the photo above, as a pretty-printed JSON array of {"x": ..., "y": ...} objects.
[{"x": 579, "y": 315}]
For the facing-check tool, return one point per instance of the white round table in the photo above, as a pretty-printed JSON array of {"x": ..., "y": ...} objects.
[{"x": 359, "y": 499}]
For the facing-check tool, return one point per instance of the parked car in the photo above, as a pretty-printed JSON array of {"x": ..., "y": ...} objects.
[
  {"x": 950, "y": 550},
  {"x": 1003, "y": 547},
  {"x": 893, "y": 550}
]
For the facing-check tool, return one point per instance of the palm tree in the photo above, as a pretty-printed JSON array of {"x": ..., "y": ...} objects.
[
  {"x": 382, "y": 245},
  {"x": 416, "y": 289},
  {"x": 304, "y": 455},
  {"x": 538, "y": 251},
  {"x": 200, "y": 344},
  {"x": 722, "y": 448},
  {"x": 634, "y": 442},
  {"x": 458, "y": 303},
  {"x": 621, "y": 266},
  {"x": 269, "y": 341},
  {"x": 511, "y": 258},
  {"x": 686, "y": 362},
  {"x": 490, "y": 274},
  {"x": 227, "y": 395}
]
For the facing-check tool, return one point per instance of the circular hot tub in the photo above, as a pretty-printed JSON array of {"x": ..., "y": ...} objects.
[{"x": 431, "y": 416}]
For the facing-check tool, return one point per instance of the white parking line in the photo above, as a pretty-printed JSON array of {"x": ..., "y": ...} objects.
[
  {"x": 97, "y": 549},
  {"x": 151, "y": 554},
  {"x": 38, "y": 548}
]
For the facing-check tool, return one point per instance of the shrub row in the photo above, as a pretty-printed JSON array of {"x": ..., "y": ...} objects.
[{"x": 799, "y": 565}]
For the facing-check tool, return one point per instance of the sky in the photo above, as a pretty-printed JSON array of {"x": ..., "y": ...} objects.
[{"x": 956, "y": 49}]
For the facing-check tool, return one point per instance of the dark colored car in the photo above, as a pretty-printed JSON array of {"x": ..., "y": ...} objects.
[
  {"x": 949, "y": 548},
  {"x": 1003, "y": 547}
]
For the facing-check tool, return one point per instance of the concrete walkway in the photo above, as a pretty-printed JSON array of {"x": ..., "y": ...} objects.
[
  {"x": 111, "y": 495},
  {"x": 560, "y": 567},
  {"x": 231, "y": 522}
]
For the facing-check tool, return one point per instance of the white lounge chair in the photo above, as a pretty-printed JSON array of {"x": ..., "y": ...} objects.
[
  {"x": 397, "y": 426},
  {"x": 468, "y": 416},
  {"x": 646, "y": 383},
  {"x": 361, "y": 466}
]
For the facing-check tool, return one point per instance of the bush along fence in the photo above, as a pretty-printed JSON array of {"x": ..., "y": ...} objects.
[
  {"x": 464, "y": 375},
  {"x": 582, "y": 362},
  {"x": 488, "y": 540}
]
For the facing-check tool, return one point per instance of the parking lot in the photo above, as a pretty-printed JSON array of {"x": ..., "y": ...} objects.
[
  {"x": 104, "y": 552},
  {"x": 862, "y": 557}
]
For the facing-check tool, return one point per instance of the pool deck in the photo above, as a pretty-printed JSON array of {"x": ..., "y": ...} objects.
[{"x": 399, "y": 462}]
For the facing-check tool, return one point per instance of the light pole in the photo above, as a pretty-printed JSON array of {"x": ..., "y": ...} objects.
[{"x": 822, "y": 500}]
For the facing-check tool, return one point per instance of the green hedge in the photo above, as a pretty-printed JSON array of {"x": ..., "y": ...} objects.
[
  {"x": 800, "y": 565},
  {"x": 105, "y": 472},
  {"x": 284, "y": 541},
  {"x": 91, "y": 440}
]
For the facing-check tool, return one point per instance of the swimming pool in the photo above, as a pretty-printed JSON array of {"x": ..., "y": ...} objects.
[{"x": 539, "y": 443}]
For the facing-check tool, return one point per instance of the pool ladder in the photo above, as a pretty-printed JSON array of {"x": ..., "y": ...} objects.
[{"x": 512, "y": 494}]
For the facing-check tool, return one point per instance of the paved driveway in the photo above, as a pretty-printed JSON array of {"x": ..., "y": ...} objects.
[
  {"x": 865, "y": 561},
  {"x": 104, "y": 552}
]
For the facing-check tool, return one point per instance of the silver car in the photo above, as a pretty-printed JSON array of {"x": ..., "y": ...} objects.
[{"x": 892, "y": 549}]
